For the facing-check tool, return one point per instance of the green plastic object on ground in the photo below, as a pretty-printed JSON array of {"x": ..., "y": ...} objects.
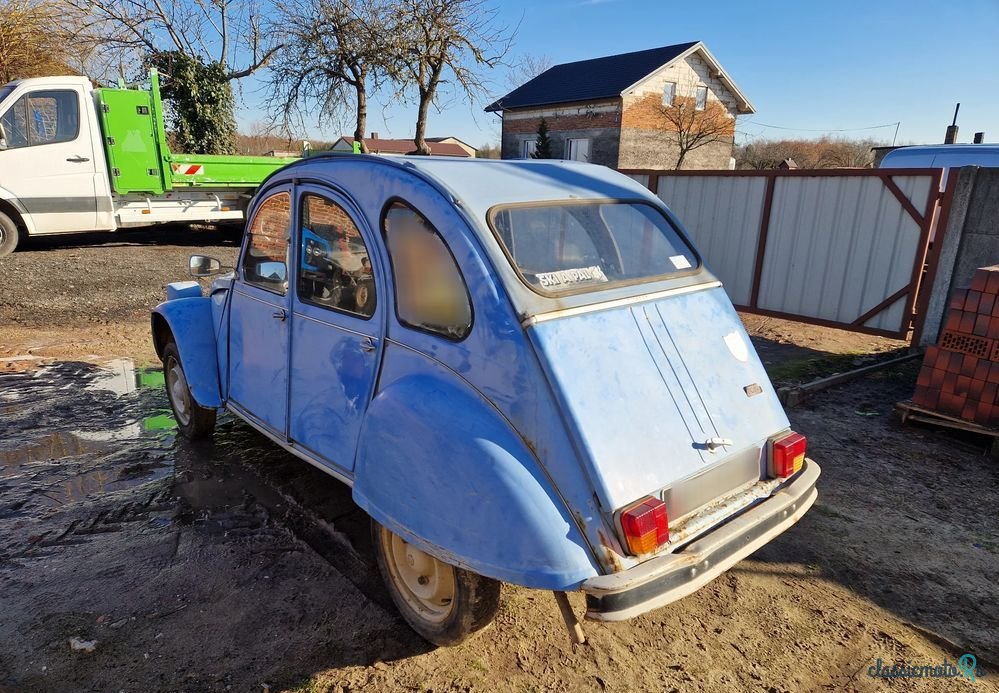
[{"x": 140, "y": 158}]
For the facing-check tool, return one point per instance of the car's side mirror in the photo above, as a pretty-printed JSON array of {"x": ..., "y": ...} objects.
[
  {"x": 3, "y": 137},
  {"x": 204, "y": 266}
]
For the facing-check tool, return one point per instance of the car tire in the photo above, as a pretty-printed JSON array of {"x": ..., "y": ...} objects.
[
  {"x": 442, "y": 603},
  {"x": 8, "y": 235},
  {"x": 193, "y": 421}
]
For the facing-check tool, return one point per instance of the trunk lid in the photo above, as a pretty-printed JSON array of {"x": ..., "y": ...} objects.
[{"x": 662, "y": 395}]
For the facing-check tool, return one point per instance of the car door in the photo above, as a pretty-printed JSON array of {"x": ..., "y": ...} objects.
[
  {"x": 259, "y": 316},
  {"x": 337, "y": 324},
  {"x": 48, "y": 162}
]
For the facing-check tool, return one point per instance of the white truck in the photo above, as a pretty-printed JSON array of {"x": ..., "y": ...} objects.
[{"x": 76, "y": 158}]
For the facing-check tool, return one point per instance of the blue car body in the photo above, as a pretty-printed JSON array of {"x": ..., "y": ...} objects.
[{"x": 510, "y": 450}]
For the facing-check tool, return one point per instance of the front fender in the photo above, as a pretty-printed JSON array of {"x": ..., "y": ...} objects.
[
  {"x": 438, "y": 466},
  {"x": 189, "y": 321}
]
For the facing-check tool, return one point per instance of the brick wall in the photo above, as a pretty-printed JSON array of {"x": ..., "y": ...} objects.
[{"x": 597, "y": 122}]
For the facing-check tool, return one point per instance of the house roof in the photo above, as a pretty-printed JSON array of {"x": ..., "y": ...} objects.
[
  {"x": 388, "y": 146},
  {"x": 451, "y": 137},
  {"x": 606, "y": 78}
]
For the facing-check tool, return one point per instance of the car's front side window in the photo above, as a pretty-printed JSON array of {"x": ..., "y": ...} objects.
[
  {"x": 265, "y": 262},
  {"x": 430, "y": 293},
  {"x": 334, "y": 268}
]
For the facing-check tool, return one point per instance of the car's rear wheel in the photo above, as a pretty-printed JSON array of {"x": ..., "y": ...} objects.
[
  {"x": 193, "y": 420},
  {"x": 8, "y": 235},
  {"x": 442, "y": 603}
]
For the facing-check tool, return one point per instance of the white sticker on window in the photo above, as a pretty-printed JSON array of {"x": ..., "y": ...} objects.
[
  {"x": 571, "y": 276},
  {"x": 680, "y": 261}
]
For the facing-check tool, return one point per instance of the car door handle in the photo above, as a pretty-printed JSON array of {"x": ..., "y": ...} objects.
[
  {"x": 368, "y": 344},
  {"x": 280, "y": 315},
  {"x": 78, "y": 159}
]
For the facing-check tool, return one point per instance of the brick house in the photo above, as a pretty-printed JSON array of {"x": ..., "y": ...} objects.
[{"x": 610, "y": 110}]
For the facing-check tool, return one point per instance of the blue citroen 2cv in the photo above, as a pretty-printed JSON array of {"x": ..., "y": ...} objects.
[{"x": 522, "y": 368}]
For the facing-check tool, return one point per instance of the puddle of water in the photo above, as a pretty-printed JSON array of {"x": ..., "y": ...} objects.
[
  {"x": 107, "y": 430},
  {"x": 71, "y": 434}
]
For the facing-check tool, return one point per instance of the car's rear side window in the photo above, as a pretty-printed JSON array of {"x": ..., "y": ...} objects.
[
  {"x": 265, "y": 263},
  {"x": 568, "y": 247},
  {"x": 430, "y": 293}
]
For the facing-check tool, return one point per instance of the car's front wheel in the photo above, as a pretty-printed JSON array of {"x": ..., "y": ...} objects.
[
  {"x": 193, "y": 420},
  {"x": 442, "y": 603}
]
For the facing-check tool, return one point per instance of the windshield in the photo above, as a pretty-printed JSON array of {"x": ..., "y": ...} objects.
[
  {"x": 568, "y": 247},
  {"x": 5, "y": 90}
]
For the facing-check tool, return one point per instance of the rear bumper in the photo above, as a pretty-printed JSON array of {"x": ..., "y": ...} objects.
[{"x": 662, "y": 580}]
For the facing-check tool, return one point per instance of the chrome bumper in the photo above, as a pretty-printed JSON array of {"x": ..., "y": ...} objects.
[{"x": 662, "y": 580}]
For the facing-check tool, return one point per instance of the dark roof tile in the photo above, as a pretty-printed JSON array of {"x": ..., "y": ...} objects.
[{"x": 589, "y": 80}]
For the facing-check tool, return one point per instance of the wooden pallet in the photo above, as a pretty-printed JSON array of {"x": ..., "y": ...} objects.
[{"x": 913, "y": 412}]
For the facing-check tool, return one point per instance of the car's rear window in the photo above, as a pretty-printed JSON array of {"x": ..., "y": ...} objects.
[{"x": 567, "y": 247}]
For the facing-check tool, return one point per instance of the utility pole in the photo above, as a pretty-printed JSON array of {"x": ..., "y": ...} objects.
[{"x": 951, "y": 136}]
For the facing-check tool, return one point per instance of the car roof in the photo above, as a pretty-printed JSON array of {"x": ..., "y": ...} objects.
[
  {"x": 944, "y": 154},
  {"x": 475, "y": 186}
]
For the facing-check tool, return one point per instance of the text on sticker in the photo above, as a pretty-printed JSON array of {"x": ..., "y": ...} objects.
[{"x": 571, "y": 276}]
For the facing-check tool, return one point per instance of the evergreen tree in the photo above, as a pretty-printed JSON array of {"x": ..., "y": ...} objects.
[{"x": 543, "y": 147}]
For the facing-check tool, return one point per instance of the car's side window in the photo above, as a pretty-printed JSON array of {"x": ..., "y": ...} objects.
[
  {"x": 42, "y": 117},
  {"x": 430, "y": 293},
  {"x": 265, "y": 262},
  {"x": 334, "y": 269}
]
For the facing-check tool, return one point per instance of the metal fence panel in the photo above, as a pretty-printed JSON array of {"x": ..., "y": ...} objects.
[
  {"x": 838, "y": 246},
  {"x": 722, "y": 216}
]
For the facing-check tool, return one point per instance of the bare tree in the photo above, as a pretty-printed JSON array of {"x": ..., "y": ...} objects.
[
  {"x": 226, "y": 32},
  {"x": 445, "y": 42},
  {"x": 696, "y": 125},
  {"x": 527, "y": 68},
  {"x": 336, "y": 50}
]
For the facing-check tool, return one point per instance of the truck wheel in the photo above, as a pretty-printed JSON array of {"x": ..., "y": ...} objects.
[
  {"x": 193, "y": 420},
  {"x": 8, "y": 235},
  {"x": 442, "y": 603}
]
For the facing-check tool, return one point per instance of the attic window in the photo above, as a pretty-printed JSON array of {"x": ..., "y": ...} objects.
[
  {"x": 669, "y": 93},
  {"x": 702, "y": 98}
]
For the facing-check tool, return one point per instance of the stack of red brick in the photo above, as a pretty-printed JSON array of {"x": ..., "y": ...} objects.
[{"x": 960, "y": 375}]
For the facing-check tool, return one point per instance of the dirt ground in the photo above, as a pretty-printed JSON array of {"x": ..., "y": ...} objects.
[{"x": 231, "y": 566}]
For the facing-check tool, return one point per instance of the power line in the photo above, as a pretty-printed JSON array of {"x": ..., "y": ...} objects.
[{"x": 781, "y": 127}]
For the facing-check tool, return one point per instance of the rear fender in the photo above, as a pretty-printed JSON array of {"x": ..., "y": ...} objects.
[
  {"x": 188, "y": 322},
  {"x": 440, "y": 467}
]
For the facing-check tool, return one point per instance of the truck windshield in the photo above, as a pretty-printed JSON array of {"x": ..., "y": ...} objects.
[
  {"x": 571, "y": 247},
  {"x": 5, "y": 90}
]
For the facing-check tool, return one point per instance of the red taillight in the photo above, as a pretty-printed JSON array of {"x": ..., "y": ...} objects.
[
  {"x": 646, "y": 526},
  {"x": 789, "y": 454}
]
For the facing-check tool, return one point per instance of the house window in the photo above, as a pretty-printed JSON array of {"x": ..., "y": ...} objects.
[
  {"x": 577, "y": 149},
  {"x": 527, "y": 149},
  {"x": 702, "y": 98},
  {"x": 669, "y": 93}
]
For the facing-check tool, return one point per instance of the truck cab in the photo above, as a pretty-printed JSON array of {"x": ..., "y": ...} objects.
[
  {"x": 53, "y": 175},
  {"x": 76, "y": 158}
]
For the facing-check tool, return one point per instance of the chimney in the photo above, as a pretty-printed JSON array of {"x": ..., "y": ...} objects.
[
  {"x": 374, "y": 135},
  {"x": 979, "y": 137},
  {"x": 951, "y": 136}
]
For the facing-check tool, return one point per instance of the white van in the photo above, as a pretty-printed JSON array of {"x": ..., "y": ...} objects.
[{"x": 945, "y": 156}]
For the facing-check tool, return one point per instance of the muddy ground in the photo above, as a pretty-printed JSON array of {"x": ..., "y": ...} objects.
[{"x": 231, "y": 566}]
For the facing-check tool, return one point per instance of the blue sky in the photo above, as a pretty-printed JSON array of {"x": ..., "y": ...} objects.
[{"x": 815, "y": 67}]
